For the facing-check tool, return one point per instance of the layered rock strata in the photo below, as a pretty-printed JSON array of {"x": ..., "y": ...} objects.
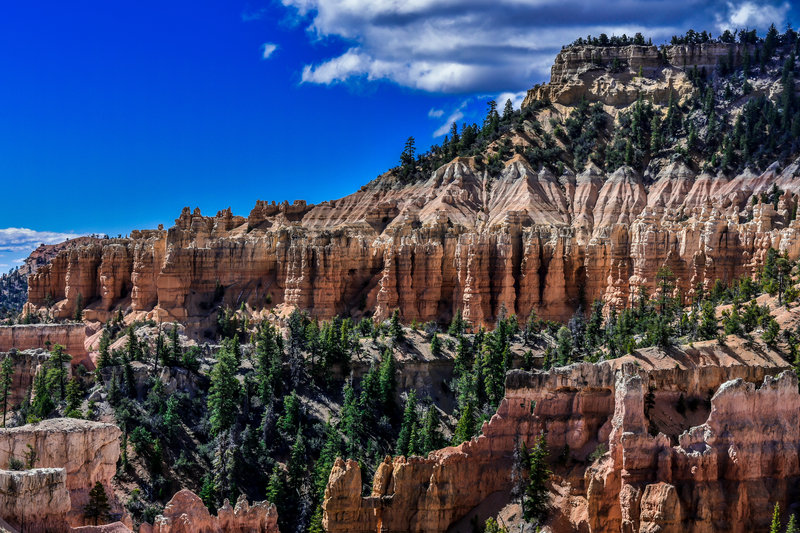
[
  {"x": 82, "y": 452},
  {"x": 32, "y": 336},
  {"x": 725, "y": 473},
  {"x": 525, "y": 241}
]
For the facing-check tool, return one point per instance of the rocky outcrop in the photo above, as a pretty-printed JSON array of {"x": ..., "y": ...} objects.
[
  {"x": 33, "y": 336},
  {"x": 85, "y": 452},
  {"x": 617, "y": 75},
  {"x": 523, "y": 241},
  {"x": 643, "y": 483},
  {"x": 34, "y": 500},
  {"x": 185, "y": 513}
]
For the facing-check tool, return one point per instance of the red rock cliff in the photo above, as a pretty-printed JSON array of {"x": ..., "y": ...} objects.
[
  {"x": 527, "y": 240},
  {"x": 724, "y": 474}
]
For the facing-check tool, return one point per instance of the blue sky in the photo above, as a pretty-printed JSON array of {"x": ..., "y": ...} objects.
[{"x": 114, "y": 115}]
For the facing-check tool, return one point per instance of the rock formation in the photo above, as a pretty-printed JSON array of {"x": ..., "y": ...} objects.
[
  {"x": 185, "y": 513},
  {"x": 31, "y": 336},
  {"x": 724, "y": 474},
  {"x": 70, "y": 456},
  {"x": 526, "y": 245}
]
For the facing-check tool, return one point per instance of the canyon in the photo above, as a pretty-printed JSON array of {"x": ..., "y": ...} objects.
[{"x": 700, "y": 437}]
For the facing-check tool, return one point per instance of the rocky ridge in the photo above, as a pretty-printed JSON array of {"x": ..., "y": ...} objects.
[{"x": 724, "y": 474}]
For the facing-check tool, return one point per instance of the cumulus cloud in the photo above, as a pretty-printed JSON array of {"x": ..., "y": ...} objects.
[
  {"x": 753, "y": 15},
  {"x": 455, "y": 116},
  {"x": 516, "y": 99},
  {"x": 267, "y": 50},
  {"x": 468, "y": 46},
  {"x": 24, "y": 239}
]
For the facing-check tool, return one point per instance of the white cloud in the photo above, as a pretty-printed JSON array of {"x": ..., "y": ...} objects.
[
  {"x": 516, "y": 99},
  {"x": 435, "y": 113},
  {"x": 267, "y": 50},
  {"x": 488, "y": 46},
  {"x": 753, "y": 15},
  {"x": 23, "y": 239},
  {"x": 455, "y": 116}
]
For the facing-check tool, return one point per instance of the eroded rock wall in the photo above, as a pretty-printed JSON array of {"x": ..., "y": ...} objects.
[
  {"x": 86, "y": 452},
  {"x": 525, "y": 241},
  {"x": 748, "y": 447}
]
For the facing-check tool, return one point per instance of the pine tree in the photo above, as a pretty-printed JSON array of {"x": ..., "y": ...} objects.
[
  {"x": 176, "y": 352},
  {"x": 298, "y": 461},
  {"x": 431, "y": 437},
  {"x": 465, "y": 428},
  {"x": 708, "y": 322},
  {"x": 97, "y": 507},
  {"x": 395, "y": 328},
  {"x": 6, "y": 379},
  {"x": 457, "y": 325},
  {"x": 42, "y": 404},
  {"x": 289, "y": 422},
  {"x": 534, "y": 503},
  {"x": 104, "y": 359},
  {"x": 564, "y": 346},
  {"x": 791, "y": 527},
  {"x": 508, "y": 111},
  {"x": 436, "y": 345},
  {"x": 268, "y": 363},
  {"x": 58, "y": 359},
  {"x": 387, "y": 381},
  {"x": 223, "y": 395},
  {"x": 405, "y": 443},
  {"x": 775, "y": 526},
  {"x": 74, "y": 398}
]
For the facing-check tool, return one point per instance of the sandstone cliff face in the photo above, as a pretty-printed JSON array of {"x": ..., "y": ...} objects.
[
  {"x": 34, "y": 500},
  {"x": 522, "y": 241},
  {"x": 585, "y": 72},
  {"x": 682, "y": 478},
  {"x": 32, "y": 336},
  {"x": 81, "y": 451},
  {"x": 185, "y": 513}
]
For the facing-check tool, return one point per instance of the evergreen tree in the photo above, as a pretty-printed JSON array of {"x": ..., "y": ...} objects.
[
  {"x": 405, "y": 442},
  {"x": 97, "y": 507},
  {"x": 791, "y": 527},
  {"x": 223, "y": 394},
  {"x": 534, "y": 503},
  {"x": 431, "y": 437},
  {"x": 436, "y": 345},
  {"x": 465, "y": 428},
  {"x": 395, "y": 328},
  {"x": 387, "y": 381},
  {"x": 42, "y": 404},
  {"x": 564, "y": 346},
  {"x": 457, "y": 325},
  {"x": 6, "y": 379},
  {"x": 58, "y": 359},
  {"x": 289, "y": 422},
  {"x": 775, "y": 526},
  {"x": 74, "y": 398},
  {"x": 268, "y": 363},
  {"x": 708, "y": 322},
  {"x": 104, "y": 358},
  {"x": 508, "y": 111},
  {"x": 176, "y": 352}
]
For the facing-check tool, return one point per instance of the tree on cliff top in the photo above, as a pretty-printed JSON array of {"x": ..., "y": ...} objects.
[{"x": 97, "y": 507}]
